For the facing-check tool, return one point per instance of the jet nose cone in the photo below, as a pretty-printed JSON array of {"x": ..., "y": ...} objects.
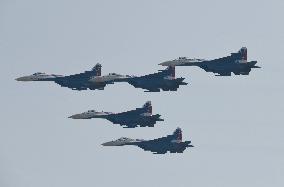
[
  {"x": 25, "y": 78},
  {"x": 106, "y": 144},
  {"x": 166, "y": 63},
  {"x": 170, "y": 63},
  {"x": 76, "y": 116},
  {"x": 20, "y": 79}
]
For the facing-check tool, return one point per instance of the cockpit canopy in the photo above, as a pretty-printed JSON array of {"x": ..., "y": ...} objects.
[
  {"x": 39, "y": 73},
  {"x": 113, "y": 74},
  {"x": 189, "y": 59},
  {"x": 123, "y": 139},
  {"x": 180, "y": 58},
  {"x": 89, "y": 111}
]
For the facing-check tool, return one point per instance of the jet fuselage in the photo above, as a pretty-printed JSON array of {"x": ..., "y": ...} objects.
[
  {"x": 171, "y": 143},
  {"x": 142, "y": 117},
  {"x": 235, "y": 63}
]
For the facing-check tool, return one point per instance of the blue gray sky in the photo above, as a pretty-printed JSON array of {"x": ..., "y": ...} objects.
[{"x": 235, "y": 123}]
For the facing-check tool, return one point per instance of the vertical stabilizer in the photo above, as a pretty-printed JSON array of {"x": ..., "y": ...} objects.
[
  {"x": 148, "y": 107},
  {"x": 178, "y": 135},
  {"x": 243, "y": 52},
  {"x": 98, "y": 69},
  {"x": 172, "y": 71}
]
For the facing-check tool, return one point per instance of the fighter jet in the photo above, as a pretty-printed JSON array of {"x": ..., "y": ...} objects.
[
  {"x": 139, "y": 117},
  {"x": 172, "y": 143},
  {"x": 235, "y": 63},
  {"x": 164, "y": 79},
  {"x": 87, "y": 80}
]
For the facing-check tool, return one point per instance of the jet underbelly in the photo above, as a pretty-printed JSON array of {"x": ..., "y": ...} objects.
[
  {"x": 127, "y": 120},
  {"x": 149, "y": 84},
  {"x": 156, "y": 147}
]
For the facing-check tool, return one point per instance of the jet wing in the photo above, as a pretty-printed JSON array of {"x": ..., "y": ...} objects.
[
  {"x": 84, "y": 75},
  {"x": 157, "y": 140},
  {"x": 223, "y": 59},
  {"x": 72, "y": 84},
  {"x": 148, "y": 82},
  {"x": 164, "y": 79},
  {"x": 136, "y": 111},
  {"x": 78, "y": 84},
  {"x": 154, "y": 84},
  {"x": 160, "y": 74},
  {"x": 170, "y": 71},
  {"x": 128, "y": 119},
  {"x": 157, "y": 146},
  {"x": 232, "y": 57},
  {"x": 219, "y": 66}
]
